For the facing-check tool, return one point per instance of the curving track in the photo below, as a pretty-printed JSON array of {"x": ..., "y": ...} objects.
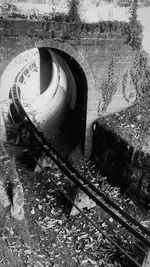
[
  {"x": 141, "y": 233},
  {"x": 54, "y": 102}
]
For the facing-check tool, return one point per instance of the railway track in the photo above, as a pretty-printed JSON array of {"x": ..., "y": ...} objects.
[{"x": 138, "y": 231}]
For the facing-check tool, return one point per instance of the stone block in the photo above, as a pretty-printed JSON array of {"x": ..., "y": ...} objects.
[
  {"x": 88, "y": 41},
  {"x": 58, "y": 34},
  {"x": 2, "y": 24},
  {"x": 19, "y": 31},
  {"x": 74, "y": 41},
  {"x": 49, "y": 33},
  {"x": 7, "y": 31},
  {"x": 103, "y": 36},
  {"x": 50, "y": 26},
  {"x": 57, "y": 26}
]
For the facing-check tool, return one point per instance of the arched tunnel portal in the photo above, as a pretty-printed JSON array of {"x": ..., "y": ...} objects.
[{"x": 53, "y": 89}]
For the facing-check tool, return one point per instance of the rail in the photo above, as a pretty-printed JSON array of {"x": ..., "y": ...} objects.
[{"x": 129, "y": 223}]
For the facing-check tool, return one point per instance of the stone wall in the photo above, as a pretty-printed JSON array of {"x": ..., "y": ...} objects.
[
  {"x": 120, "y": 160},
  {"x": 122, "y": 139}
]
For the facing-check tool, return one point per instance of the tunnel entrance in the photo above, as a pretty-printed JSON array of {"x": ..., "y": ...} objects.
[
  {"x": 53, "y": 85},
  {"x": 77, "y": 118}
]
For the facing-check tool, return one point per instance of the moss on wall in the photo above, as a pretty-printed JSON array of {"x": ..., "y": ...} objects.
[{"x": 132, "y": 30}]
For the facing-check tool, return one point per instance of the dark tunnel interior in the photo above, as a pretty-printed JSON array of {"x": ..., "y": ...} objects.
[{"x": 76, "y": 120}]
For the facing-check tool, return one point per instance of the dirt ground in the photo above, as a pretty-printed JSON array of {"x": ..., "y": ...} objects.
[{"x": 60, "y": 240}]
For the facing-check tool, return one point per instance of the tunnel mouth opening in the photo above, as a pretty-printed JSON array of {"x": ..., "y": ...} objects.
[
  {"x": 76, "y": 120},
  {"x": 70, "y": 133}
]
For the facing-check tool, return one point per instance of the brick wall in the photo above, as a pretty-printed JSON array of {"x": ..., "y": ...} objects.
[{"x": 93, "y": 48}]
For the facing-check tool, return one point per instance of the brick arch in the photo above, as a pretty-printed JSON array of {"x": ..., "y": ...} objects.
[{"x": 24, "y": 44}]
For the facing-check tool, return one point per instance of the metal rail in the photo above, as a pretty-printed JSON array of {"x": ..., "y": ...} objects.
[
  {"x": 74, "y": 174},
  {"x": 92, "y": 222},
  {"x": 78, "y": 179}
]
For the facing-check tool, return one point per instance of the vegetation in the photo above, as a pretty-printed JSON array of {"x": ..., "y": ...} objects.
[
  {"x": 140, "y": 74},
  {"x": 135, "y": 28},
  {"x": 132, "y": 30},
  {"x": 10, "y": 10},
  {"x": 109, "y": 87},
  {"x": 73, "y": 11}
]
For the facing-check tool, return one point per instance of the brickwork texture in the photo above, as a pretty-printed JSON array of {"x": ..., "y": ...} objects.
[{"x": 93, "y": 47}]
